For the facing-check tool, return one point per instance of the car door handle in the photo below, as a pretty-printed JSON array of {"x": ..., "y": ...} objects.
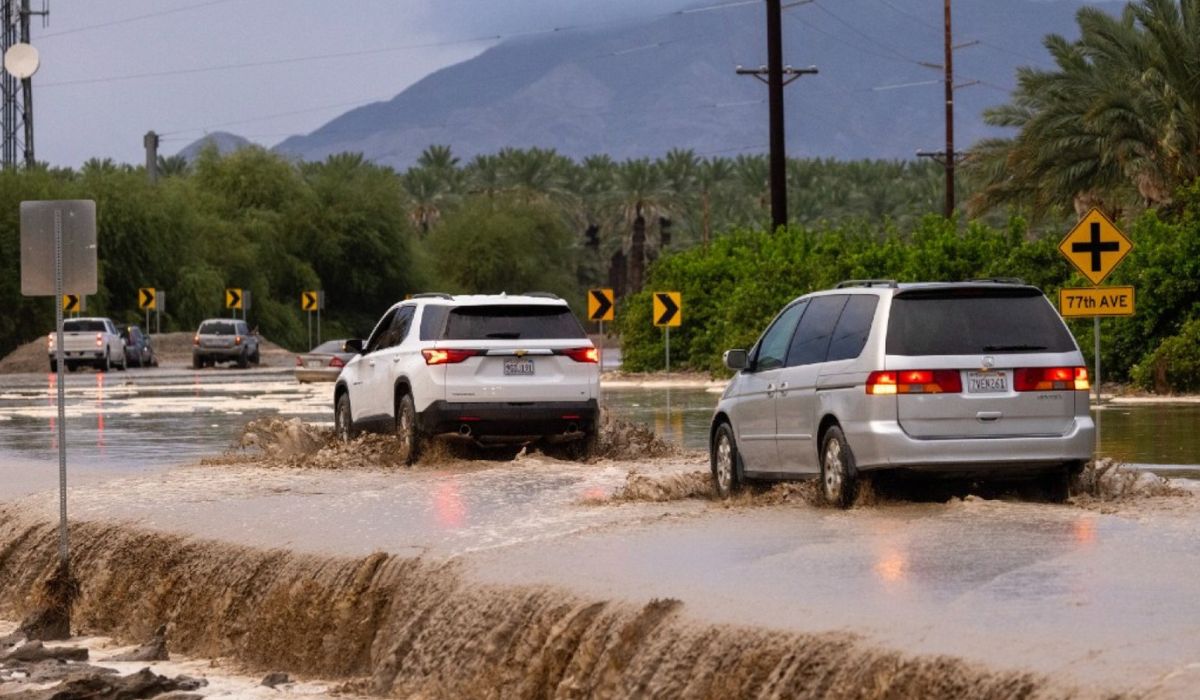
[
  {"x": 989, "y": 415},
  {"x": 770, "y": 391},
  {"x": 396, "y": 358},
  {"x": 783, "y": 389},
  {"x": 370, "y": 363}
]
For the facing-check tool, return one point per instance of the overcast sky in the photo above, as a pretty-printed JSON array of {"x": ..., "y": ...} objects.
[{"x": 87, "y": 104}]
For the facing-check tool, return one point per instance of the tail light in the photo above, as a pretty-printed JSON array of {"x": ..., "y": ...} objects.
[
  {"x": 591, "y": 355},
  {"x": 195, "y": 340},
  {"x": 50, "y": 341},
  {"x": 99, "y": 340},
  {"x": 237, "y": 340},
  {"x": 449, "y": 356},
  {"x": 299, "y": 362},
  {"x": 915, "y": 381},
  {"x": 337, "y": 362},
  {"x": 1051, "y": 379}
]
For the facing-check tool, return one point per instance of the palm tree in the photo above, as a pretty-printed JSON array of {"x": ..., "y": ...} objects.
[
  {"x": 640, "y": 192},
  {"x": 1116, "y": 124},
  {"x": 427, "y": 191},
  {"x": 712, "y": 178},
  {"x": 173, "y": 166}
]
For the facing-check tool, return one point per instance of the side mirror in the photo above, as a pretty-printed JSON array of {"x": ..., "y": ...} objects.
[
  {"x": 736, "y": 360},
  {"x": 355, "y": 346}
]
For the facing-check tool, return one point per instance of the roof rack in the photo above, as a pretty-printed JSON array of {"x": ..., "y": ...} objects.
[
  {"x": 542, "y": 295},
  {"x": 867, "y": 283},
  {"x": 999, "y": 280},
  {"x": 432, "y": 295}
]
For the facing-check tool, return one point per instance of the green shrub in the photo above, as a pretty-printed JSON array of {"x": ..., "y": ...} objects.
[{"x": 1174, "y": 366}]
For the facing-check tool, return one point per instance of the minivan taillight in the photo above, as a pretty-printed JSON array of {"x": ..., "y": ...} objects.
[
  {"x": 591, "y": 355},
  {"x": 915, "y": 381},
  {"x": 448, "y": 356},
  {"x": 1051, "y": 379}
]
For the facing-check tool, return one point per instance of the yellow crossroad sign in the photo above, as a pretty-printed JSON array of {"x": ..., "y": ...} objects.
[
  {"x": 233, "y": 298},
  {"x": 1095, "y": 246},
  {"x": 1096, "y": 301},
  {"x": 147, "y": 298},
  {"x": 668, "y": 309},
  {"x": 600, "y": 305},
  {"x": 309, "y": 301}
]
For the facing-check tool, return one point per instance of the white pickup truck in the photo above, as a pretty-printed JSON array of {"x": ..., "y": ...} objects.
[{"x": 89, "y": 341}]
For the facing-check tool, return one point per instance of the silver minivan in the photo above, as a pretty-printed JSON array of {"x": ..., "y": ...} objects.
[{"x": 972, "y": 379}]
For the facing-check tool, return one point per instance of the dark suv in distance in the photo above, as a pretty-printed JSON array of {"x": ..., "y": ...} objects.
[
  {"x": 138, "y": 349},
  {"x": 973, "y": 379}
]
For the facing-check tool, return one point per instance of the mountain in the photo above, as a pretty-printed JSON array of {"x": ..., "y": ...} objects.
[
  {"x": 641, "y": 88},
  {"x": 225, "y": 142}
]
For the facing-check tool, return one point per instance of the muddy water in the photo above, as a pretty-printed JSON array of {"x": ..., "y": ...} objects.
[{"x": 410, "y": 628}]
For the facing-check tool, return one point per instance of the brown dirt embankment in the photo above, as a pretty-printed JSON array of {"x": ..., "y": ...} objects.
[
  {"x": 412, "y": 628},
  {"x": 172, "y": 350}
]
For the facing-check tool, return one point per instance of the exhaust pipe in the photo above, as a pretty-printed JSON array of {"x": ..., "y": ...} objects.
[{"x": 464, "y": 430}]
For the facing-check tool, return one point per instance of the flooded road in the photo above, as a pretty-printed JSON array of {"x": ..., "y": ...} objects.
[{"x": 1097, "y": 595}]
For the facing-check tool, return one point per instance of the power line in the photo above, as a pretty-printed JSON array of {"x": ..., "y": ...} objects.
[{"x": 137, "y": 18}]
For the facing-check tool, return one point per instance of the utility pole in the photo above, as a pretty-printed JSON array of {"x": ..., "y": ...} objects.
[
  {"x": 150, "y": 141},
  {"x": 775, "y": 72},
  {"x": 948, "y": 156},
  {"x": 16, "y": 91}
]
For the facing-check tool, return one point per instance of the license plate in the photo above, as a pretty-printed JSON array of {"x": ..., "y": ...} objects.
[
  {"x": 987, "y": 382},
  {"x": 314, "y": 363},
  {"x": 518, "y": 367}
]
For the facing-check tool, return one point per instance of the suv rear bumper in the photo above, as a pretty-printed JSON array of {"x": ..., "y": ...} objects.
[
  {"x": 509, "y": 419},
  {"x": 232, "y": 353},
  {"x": 884, "y": 445}
]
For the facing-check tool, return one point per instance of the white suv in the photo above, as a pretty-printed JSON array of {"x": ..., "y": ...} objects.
[{"x": 486, "y": 367}]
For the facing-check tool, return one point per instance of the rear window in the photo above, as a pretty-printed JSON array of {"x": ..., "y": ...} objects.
[
  {"x": 78, "y": 325},
  {"x": 510, "y": 322},
  {"x": 974, "y": 322},
  {"x": 218, "y": 328},
  {"x": 330, "y": 346}
]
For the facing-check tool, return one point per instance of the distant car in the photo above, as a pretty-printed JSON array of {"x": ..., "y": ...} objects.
[
  {"x": 224, "y": 340},
  {"x": 972, "y": 379},
  {"x": 138, "y": 349},
  {"x": 491, "y": 368},
  {"x": 89, "y": 341},
  {"x": 323, "y": 363}
]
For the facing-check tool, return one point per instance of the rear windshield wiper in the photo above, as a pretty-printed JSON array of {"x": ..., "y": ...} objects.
[{"x": 1012, "y": 348}]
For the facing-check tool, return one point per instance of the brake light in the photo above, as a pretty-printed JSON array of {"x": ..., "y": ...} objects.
[
  {"x": 50, "y": 341},
  {"x": 195, "y": 340},
  {"x": 99, "y": 340},
  {"x": 237, "y": 340},
  {"x": 337, "y": 362},
  {"x": 914, "y": 381},
  {"x": 449, "y": 356},
  {"x": 590, "y": 355},
  {"x": 1051, "y": 379}
]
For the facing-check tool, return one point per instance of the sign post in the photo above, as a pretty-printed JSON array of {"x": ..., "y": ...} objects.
[
  {"x": 310, "y": 301},
  {"x": 667, "y": 313},
  {"x": 147, "y": 301},
  {"x": 1095, "y": 246},
  {"x": 58, "y": 251}
]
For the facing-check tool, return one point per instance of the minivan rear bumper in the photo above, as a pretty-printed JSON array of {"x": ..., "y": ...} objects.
[
  {"x": 509, "y": 419},
  {"x": 883, "y": 444}
]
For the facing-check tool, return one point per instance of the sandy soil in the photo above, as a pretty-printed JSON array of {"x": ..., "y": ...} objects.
[{"x": 172, "y": 349}]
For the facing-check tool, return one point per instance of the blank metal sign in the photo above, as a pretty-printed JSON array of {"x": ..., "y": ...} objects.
[{"x": 78, "y": 217}]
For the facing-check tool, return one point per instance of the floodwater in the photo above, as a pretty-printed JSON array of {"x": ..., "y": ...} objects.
[{"x": 139, "y": 419}]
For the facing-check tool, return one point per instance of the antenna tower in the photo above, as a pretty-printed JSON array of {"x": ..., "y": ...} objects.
[{"x": 17, "y": 92}]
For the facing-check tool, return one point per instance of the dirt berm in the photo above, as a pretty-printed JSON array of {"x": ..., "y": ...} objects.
[
  {"x": 172, "y": 350},
  {"x": 415, "y": 628}
]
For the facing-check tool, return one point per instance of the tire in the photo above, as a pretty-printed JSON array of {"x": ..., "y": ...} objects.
[
  {"x": 197, "y": 362},
  {"x": 1055, "y": 485},
  {"x": 723, "y": 461},
  {"x": 585, "y": 447},
  {"x": 104, "y": 365},
  {"x": 343, "y": 426},
  {"x": 406, "y": 430},
  {"x": 839, "y": 477},
  {"x": 255, "y": 357},
  {"x": 243, "y": 360}
]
